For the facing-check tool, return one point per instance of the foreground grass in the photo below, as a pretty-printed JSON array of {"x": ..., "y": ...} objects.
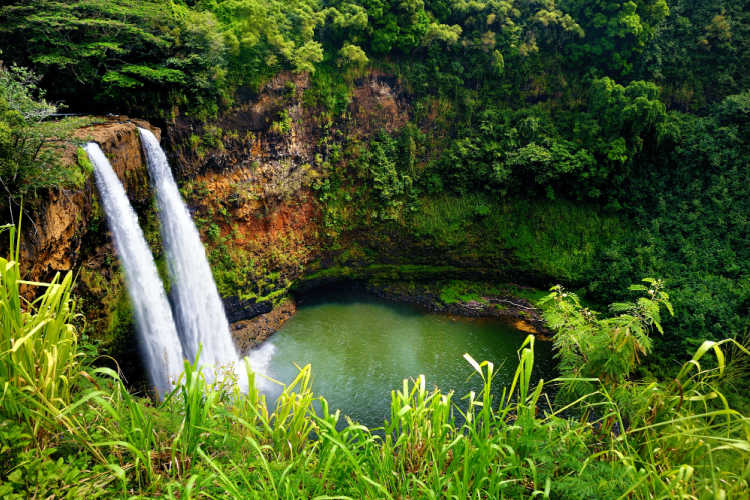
[{"x": 71, "y": 430}]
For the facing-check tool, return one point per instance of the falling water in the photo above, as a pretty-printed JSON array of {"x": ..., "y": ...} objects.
[
  {"x": 158, "y": 336},
  {"x": 198, "y": 308}
]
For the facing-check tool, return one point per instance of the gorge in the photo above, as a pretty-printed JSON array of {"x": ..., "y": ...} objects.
[
  {"x": 484, "y": 249},
  {"x": 200, "y": 330},
  {"x": 279, "y": 228}
]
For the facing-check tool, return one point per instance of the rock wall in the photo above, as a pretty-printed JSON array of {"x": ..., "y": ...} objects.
[
  {"x": 66, "y": 230},
  {"x": 61, "y": 220},
  {"x": 248, "y": 177}
]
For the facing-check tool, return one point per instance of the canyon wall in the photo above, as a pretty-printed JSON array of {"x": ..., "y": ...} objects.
[
  {"x": 250, "y": 177},
  {"x": 255, "y": 179},
  {"x": 247, "y": 176},
  {"x": 61, "y": 221}
]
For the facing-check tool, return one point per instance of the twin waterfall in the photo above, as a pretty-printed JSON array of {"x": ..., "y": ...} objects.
[{"x": 199, "y": 324}]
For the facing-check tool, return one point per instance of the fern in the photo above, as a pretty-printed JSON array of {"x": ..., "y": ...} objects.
[{"x": 607, "y": 348}]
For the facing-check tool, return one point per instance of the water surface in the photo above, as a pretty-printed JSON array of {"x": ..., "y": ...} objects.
[{"x": 361, "y": 348}]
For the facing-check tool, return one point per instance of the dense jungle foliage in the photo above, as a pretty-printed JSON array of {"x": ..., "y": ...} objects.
[
  {"x": 618, "y": 130},
  {"x": 637, "y": 110}
]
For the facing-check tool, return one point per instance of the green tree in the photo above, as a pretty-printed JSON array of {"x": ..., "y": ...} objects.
[
  {"x": 616, "y": 31},
  {"x": 699, "y": 55},
  {"x": 265, "y": 37},
  {"x": 353, "y": 55},
  {"x": 388, "y": 165},
  {"x": 141, "y": 55},
  {"x": 615, "y": 127},
  {"x": 29, "y": 146}
]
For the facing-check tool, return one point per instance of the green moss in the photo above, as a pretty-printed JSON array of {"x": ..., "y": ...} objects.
[
  {"x": 120, "y": 324},
  {"x": 110, "y": 319},
  {"x": 556, "y": 238},
  {"x": 84, "y": 169},
  {"x": 377, "y": 272},
  {"x": 83, "y": 161},
  {"x": 237, "y": 273},
  {"x": 460, "y": 291},
  {"x": 533, "y": 295},
  {"x": 276, "y": 296},
  {"x": 210, "y": 139}
]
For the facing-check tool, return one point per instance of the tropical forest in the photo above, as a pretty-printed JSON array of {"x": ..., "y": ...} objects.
[{"x": 375, "y": 249}]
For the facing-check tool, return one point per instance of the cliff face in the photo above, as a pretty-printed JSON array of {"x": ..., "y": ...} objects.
[
  {"x": 279, "y": 126},
  {"x": 249, "y": 177},
  {"x": 62, "y": 221},
  {"x": 254, "y": 180},
  {"x": 65, "y": 229}
]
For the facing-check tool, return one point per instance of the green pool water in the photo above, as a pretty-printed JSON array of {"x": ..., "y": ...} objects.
[{"x": 361, "y": 348}]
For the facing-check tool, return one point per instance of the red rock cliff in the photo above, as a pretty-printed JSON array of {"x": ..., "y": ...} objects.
[{"x": 52, "y": 242}]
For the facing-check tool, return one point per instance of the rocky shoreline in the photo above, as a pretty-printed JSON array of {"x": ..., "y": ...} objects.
[
  {"x": 252, "y": 332},
  {"x": 261, "y": 320},
  {"x": 519, "y": 311}
]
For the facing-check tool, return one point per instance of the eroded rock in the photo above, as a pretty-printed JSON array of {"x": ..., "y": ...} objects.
[{"x": 250, "y": 333}]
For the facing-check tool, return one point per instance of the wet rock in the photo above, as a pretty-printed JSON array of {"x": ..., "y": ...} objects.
[
  {"x": 61, "y": 217},
  {"x": 248, "y": 334},
  {"x": 240, "y": 310}
]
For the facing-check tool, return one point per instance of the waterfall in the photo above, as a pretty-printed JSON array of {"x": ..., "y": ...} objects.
[
  {"x": 199, "y": 311},
  {"x": 159, "y": 341}
]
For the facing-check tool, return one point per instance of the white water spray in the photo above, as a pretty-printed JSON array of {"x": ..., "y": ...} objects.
[
  {"x": 199, "y": 311},
  {"x": 159, "y": 342}
]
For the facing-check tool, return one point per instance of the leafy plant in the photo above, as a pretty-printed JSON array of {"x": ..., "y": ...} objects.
[
  {"x": 39, "y": 358},
  {"x": 607, "y": 348},
  {"x": 30, "y": 146}
]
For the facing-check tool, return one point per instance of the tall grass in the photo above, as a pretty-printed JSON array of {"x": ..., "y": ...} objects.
[
  {"x": 39, "y": 357},
  {"x": 684, "y": 434},
  {"x": 67, "y": 430}
]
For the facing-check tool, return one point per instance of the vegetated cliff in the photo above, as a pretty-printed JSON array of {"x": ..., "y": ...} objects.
[
  {"x": 251, "y": 177},
  {"x": 272, "y": 187},
  {"x": 260, "y": 180},
  {"x": 66, "y": 229},
  {"x": 256, "y": 178},
  {"x": 63, "y": 218}
]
